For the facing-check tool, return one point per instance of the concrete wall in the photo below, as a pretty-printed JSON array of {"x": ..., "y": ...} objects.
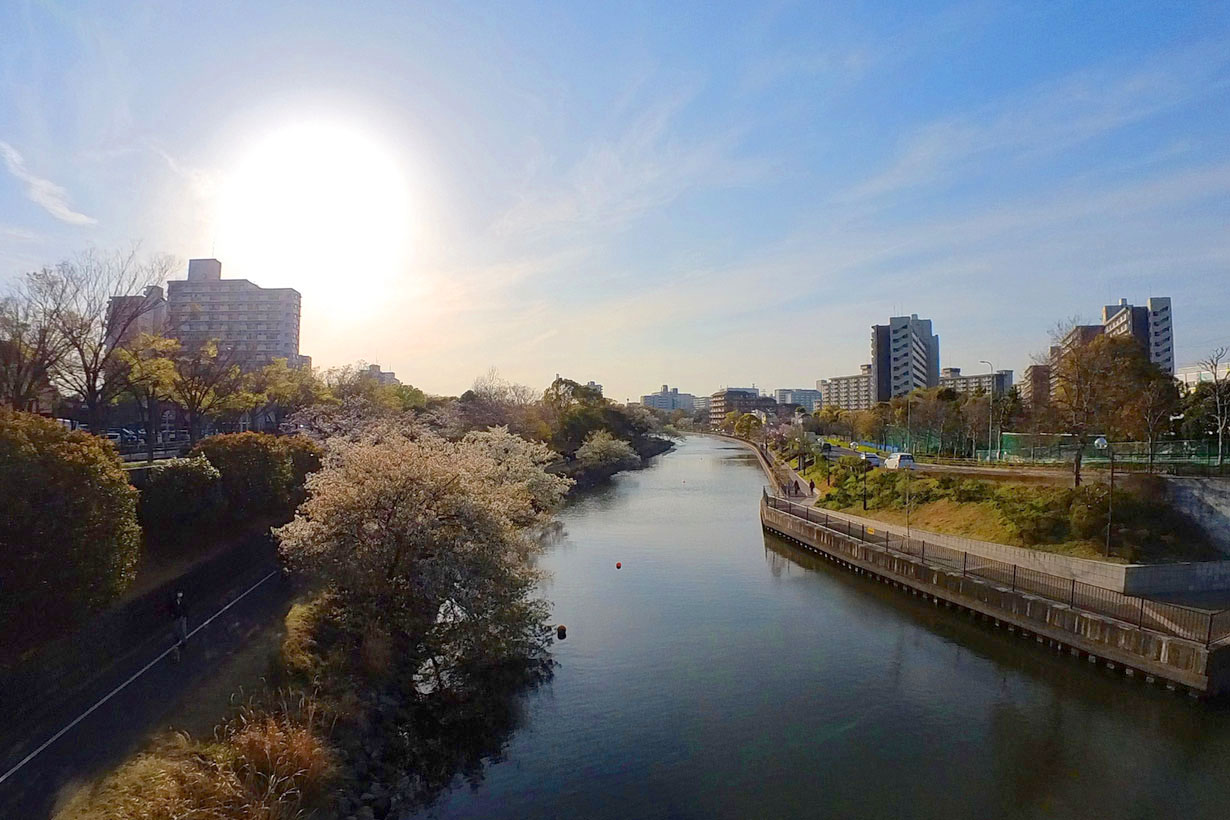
[
  {"x": 1207, "y": 500},
  {"x": 1203, "y": 669},
  {"x": 1132, "y": 579}
]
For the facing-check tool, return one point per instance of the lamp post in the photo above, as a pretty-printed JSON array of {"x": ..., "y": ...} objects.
[
  {"x": 866, "y": 467},
  {"x": 990, "y": 406},
  {"x": 1103, "y": 444}
]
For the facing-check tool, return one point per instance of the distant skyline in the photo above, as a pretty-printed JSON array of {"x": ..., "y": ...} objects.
[{"x": 637, "y": 193}]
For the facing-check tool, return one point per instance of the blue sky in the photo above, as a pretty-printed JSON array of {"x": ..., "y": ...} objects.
[{"x": 700, "y": 194}]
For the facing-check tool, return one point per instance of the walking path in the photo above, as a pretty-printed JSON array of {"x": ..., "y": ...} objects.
[{"x": 111, "y": 718}]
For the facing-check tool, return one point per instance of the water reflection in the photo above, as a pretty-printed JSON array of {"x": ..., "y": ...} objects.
[{"x": 726, "y": 673}]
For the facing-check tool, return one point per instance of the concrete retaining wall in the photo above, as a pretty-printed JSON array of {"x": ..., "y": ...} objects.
[
  {"x": 1099, "y": 573},
  {"x": 1204, "y": 670},
  {"x": 1207, "y": 500}
]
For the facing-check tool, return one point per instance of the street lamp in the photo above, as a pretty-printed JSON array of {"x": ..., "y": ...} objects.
[
  {"x": 1102, "y": 444},
  {"x": 990, "y": 406}
]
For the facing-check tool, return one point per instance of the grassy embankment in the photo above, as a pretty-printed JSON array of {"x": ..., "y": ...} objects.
[{"x": 1063, "y": 520}]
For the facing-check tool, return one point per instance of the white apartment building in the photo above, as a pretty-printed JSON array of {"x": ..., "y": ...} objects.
[
  {"x": 807, "y": 398},
  {"x": 669, "y": 398},
  {"x": 260, "y": 324},
  {"x": 848, "y": 392},
  {"x": 1152, "y": 326},
  {"x": 1190, "y": 375}
]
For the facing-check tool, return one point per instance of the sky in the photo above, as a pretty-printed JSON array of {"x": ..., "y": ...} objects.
[{"x": 701, "y": 195}]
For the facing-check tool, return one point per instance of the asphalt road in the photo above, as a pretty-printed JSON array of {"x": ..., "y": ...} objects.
[{"x": 109, "y": 719}]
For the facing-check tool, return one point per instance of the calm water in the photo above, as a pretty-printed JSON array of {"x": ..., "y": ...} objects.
[{"x": 723, "y": 673}]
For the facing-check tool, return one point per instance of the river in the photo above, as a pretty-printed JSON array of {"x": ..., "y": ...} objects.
[{"x": 722, "y": 673}]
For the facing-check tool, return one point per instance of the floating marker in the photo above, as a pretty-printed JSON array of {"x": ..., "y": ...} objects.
[
  {"x": 561, "y": 632},
  {"x": 618, "y": 565}
]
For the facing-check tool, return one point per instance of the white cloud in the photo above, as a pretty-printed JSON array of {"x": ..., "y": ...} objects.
[
  {"x": 43, "y": 192},
  {"x": 1049, "y": 119}
]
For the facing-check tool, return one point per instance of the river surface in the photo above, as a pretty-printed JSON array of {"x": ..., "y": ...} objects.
[{"x": 722, "y": 673}]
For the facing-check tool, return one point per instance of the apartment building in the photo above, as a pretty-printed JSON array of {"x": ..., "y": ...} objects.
[
  {"x": 905, "y": 356},
  {"x": 130, "y": 316},
  {"x": 669, "y": 398},
  {"x": 848, "y": 392},
  {"x": 1151, "y": 326},
  {"x": 259, "y": 324},
  {"x": 737, "y": 400},
  {"x": 997, "y": 383},
  {"x": 385, "y": 377},
  {"x": 806, "y": 398},
  {"x": 1035, "y": 388}
]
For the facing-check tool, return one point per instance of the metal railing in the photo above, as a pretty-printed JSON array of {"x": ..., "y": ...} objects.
[{"x": 1201, "y": 626}]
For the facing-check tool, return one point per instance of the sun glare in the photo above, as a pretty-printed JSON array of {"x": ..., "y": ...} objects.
[{"x": 319, "y": 207}]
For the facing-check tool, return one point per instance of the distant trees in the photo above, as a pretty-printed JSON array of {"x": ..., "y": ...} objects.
[
  {"x": 1217, "y": 404},
  {"x": 748, "y": 426}
]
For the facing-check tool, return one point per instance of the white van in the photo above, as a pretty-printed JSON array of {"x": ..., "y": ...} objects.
[{"x": 899, "y": 461}]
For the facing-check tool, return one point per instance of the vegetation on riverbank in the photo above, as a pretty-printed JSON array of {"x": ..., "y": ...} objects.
[
  {"x": 1068, "y": 520},
  {"x": 419, "y": 628}
]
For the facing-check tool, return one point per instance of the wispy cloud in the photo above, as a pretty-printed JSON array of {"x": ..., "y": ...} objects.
[
  {"x": 43, "y": 192},
  {"x": 629, "y": 174},
  {"x": 1049, "y": 119}
]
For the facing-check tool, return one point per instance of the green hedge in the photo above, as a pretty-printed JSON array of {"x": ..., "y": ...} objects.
[
  {"x": 181, "y": 500},
  {"x": 69, "y": 538},
  {"x": 260, "y": 473}
]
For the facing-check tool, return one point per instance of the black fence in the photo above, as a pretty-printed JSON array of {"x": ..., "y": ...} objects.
[{"x": 1197, "y": 625}]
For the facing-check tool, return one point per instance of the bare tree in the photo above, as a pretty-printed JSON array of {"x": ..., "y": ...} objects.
[
  {"x": 86, "y": 297},
  {"x": 1148, "y": 412},
  {"x": 1092, "y": 377},
  {"x": 31, "y": 347},
  {"x": 1221, "y": 398}
]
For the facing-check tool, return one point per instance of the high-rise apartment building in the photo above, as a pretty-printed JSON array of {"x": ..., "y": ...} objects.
[
  {"x": 258, "y": 324},
  {"x": 669, "y": 398},
  {"x": 905, "y": 356},
  {"x": 848, "y": 392},
  {"x": 1035, "y": 389},
  {"x": 1150, "y": 325},
  {"x": 997, "y": 383}
]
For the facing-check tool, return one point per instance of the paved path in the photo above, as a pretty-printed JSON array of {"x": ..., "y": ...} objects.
[{"x": 111, "y": 718}]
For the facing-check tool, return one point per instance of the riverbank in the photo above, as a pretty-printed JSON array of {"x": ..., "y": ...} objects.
[{"x": 585, "y": 478}]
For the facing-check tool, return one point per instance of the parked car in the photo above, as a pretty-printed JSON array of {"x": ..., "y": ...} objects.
[
  {"x": 826, "y": 448},
  {"x": 899, "y": 461},
  {"x": 854, "y": 445},
  {"x": 872, "y": 459}
]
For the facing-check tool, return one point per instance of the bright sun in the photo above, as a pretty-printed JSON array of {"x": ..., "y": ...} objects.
[{"x": 321, "y": 208}]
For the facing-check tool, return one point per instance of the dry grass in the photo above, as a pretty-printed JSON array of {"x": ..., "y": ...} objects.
[
  {"x": 269, "y": 762},
  {"x": 974, "y": 520}
]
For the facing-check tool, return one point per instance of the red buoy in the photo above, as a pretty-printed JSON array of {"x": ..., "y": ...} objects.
[{"x": 618, "y": 565}]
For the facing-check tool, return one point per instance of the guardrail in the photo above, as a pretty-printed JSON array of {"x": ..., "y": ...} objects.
[{"x": 1201, "y": 626}]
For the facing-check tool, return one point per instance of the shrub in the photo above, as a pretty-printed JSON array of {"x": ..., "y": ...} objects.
[
  {"x": 602, "y": 451},
  {"x": 69, "y": 538},
  {"x": 182, "y": 495},
  {"x": 256, "y": 472}
]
